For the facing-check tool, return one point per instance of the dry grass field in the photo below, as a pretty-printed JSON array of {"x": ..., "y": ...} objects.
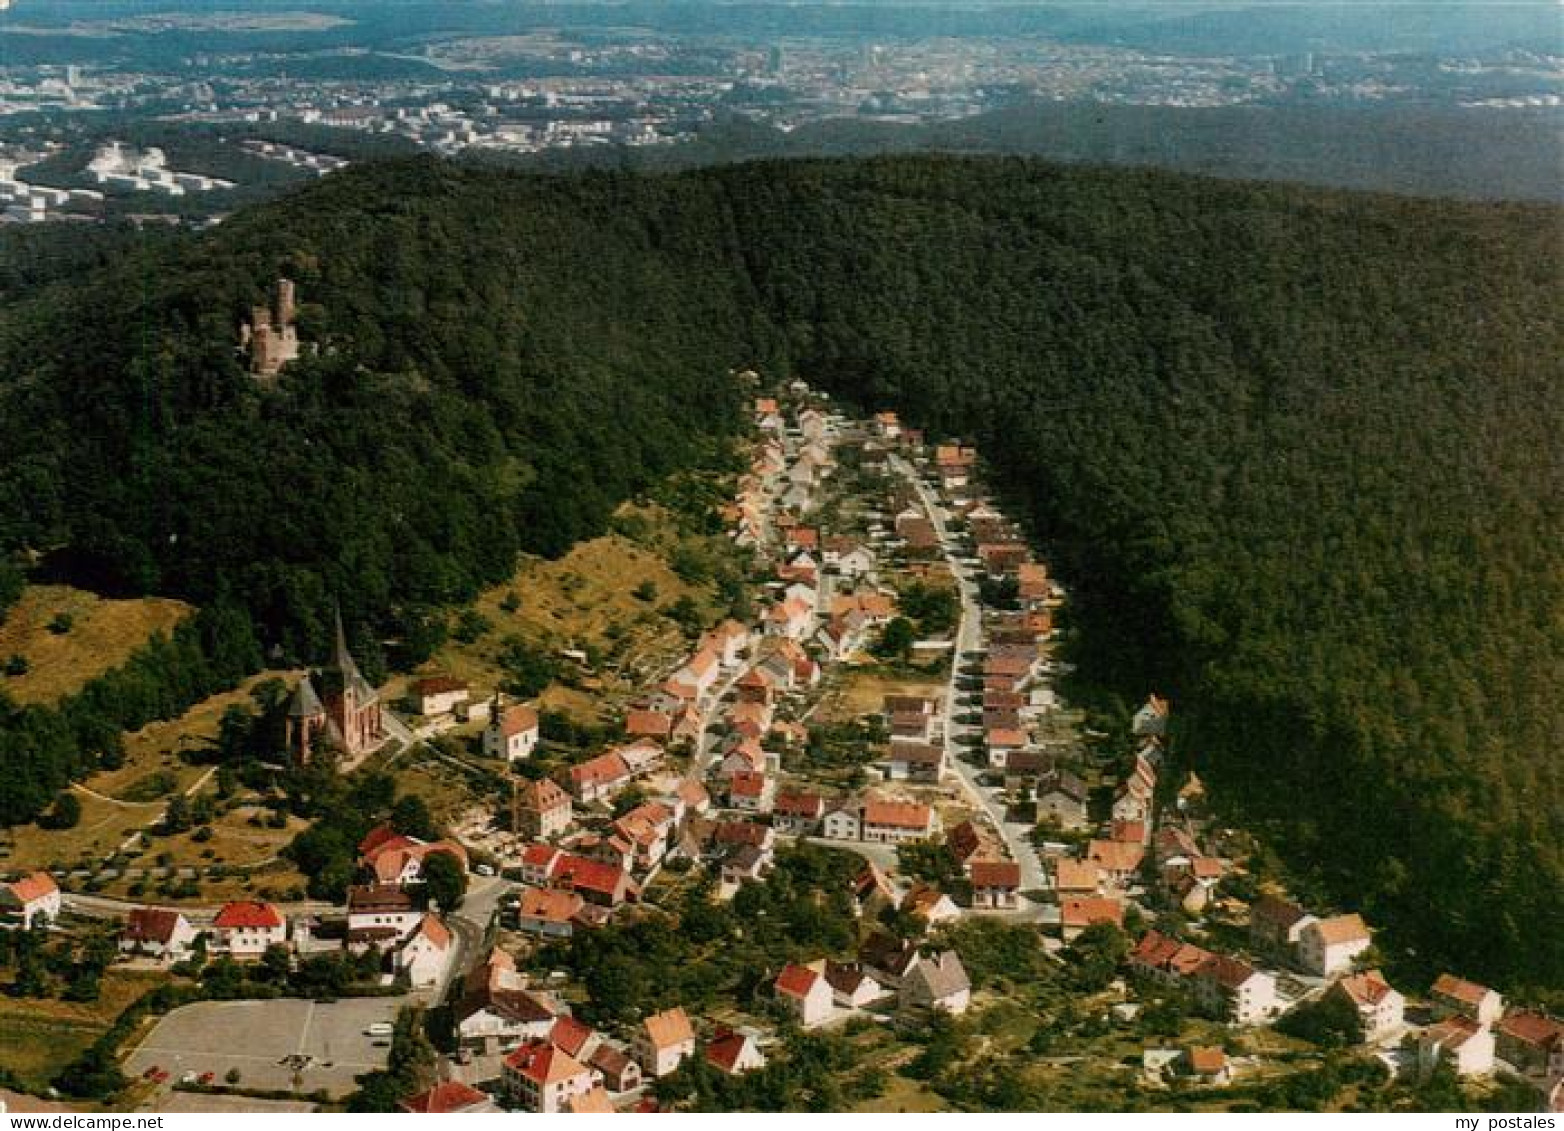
[
  {"x": 102, "y": 635},
  {"x": 41, "y": 1037}
]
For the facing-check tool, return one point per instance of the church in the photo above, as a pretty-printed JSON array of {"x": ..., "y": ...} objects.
[{"x": 344, "y": 708}]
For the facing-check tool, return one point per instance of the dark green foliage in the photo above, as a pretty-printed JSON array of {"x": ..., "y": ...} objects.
[
  {"x": 1094, "y": 956},
  {"x": 66, "y": 813},
  {"x": 713, "y": 951},
  {"x": 1295, "y": 451},
  {"x": 445, "y": 883},
  {"x": 1329, "y": 1021}
]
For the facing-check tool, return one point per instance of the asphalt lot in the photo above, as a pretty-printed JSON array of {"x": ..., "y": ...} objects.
[{"x": 256, "y": 1037}]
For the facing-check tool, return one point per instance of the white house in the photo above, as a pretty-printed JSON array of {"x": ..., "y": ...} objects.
[
  {"x": 1328, "y": 946},
  {"x": 663, "y": 1041},
  {"x": 1381, "y": 1009},
  {"x": 439, "y": 695},
  {"x": 1467, "y": 1045},
  {"x": 807, "y": 993},
  {"x": 385, "y": 911},
  {"x": 158, "y": 932},
  {"x": 1456, "y": 996},
  {"x": 35, "y": 897},
  {"x": 244, "y": 929},
  {"x": 940, "y": 983},
  {"x": 426, "y": 953}
]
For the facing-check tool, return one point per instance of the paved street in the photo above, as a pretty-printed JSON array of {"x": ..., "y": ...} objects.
[{"x": 969, "y": 639}]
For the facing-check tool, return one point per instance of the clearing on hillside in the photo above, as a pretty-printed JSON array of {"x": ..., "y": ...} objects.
[{"x": 101, "y": 634}]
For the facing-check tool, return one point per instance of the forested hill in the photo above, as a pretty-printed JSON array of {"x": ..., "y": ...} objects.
[{"x": 1296, "y": 450}]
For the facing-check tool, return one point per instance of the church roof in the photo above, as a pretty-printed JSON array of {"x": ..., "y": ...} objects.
[{"x": 305, "y": 704}]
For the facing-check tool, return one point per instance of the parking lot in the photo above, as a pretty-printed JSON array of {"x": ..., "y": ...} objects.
[{"x": 269, "y": 1042}]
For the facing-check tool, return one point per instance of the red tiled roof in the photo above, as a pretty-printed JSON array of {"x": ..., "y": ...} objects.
[
  {"x": 444, "y": 1098},
  {"x": 897, "y": 814},
  {"x": 996, "y": 874},
  {"x": 151, "y": 924},
  {"x": 796, "y": 981},
  {"x": 542, "y": 1063},
  {"x": 248, "y": 914},
  {"x": 34, "y": 886},
  {"x": 570, "y": 1035}
]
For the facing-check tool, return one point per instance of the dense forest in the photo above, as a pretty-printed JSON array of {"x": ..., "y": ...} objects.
[{"x": 1295, "y": 450}]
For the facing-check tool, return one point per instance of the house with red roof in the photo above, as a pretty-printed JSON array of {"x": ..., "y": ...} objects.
[
  {"x": 34, "y": 897},
  {"x": 996, "y": 884},
  {"x": 645, "y": 722},
  {"x": 751, "y": 792},
  {"x": 1075, "y": 915},
  {"x": 596, "y": 882},
  {"x": 497, "y": 1007},
  {"x": 438, "y": 695},
  {"x": 245, "y": 928},
  {"x": 158, "y": 932},
  {"x": 543, "y": 809},
  {"x": 599, "y": 778},
  {"x": 897, "y": 822},
  {"x": 449, "y": 1097},
  {"x": 1531, "y": 1041},
  {"x": 797, "y": 812},
  {"x": 734, "y": 1054},
  {"x": 549, "y": 913},
  {"x": 1459, "y": 1041},
  {"x": 541, "y": 1078},
  {"x": 663, "y": 1040},
  {"x": 1380, "y": 1007},
  {"x": 806, "y": 993},
  {"x": 426, "y": 953},
  {"x": 1328, "y": 946},
  {"x": 1456, "y": 996}
]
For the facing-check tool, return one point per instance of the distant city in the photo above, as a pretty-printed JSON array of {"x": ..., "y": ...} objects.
[{"x": 65, "y": 136}]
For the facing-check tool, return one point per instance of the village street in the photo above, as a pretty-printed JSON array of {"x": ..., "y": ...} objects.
[{"x": 969, "y": 641}]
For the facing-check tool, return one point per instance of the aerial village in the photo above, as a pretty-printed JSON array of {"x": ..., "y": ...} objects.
[{"x": 979, "y": 763}]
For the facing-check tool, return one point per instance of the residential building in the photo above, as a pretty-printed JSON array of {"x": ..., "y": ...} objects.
[
  {"x": 897, "y": 822},
  {"x": 797, "y": 813},
  {"x": 543, "y": 809},
  {"x": 663, "y": 1041},
  {"x": 1233, "y": 990},
  {"x": 1075, "y": 915},
  {"x": 1381, "y": 1009},
  {"x": 939, "y": 982},
  {"x": 1328, "y": 946},
  {"x": 381, "y": 915},
  {"x": 35, "y": 898},
  {"x": 438, "y": 695},
  {"x": 1530, "y": 1041},
  {"x": 1062, "y": 797},
  {"x": 734, "y": 1054},
  {"x": 449, "y": 1097},
  {"x": 426, "y": 953},
  {"x": 497, "y": 1009},
  {"x": 244, "y": 929},
  {"x": 1275, "y": 925},
  {"x": 806, "y": 993},
  {"x": 549, "y": 913},
  {"x": 1456, "y": 996},
  {"x": 1466, "y": 1045},
  {"x": 618, "y": 1069},
  {"x": 158, "y": 932},
  {"x": 852, "y": 986},
  {"x": 996, "y": 884},
  {"x": 540, "y": 1078}
]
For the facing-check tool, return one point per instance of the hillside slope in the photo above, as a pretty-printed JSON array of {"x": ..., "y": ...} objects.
[{"x": 1296, "y": 450}]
